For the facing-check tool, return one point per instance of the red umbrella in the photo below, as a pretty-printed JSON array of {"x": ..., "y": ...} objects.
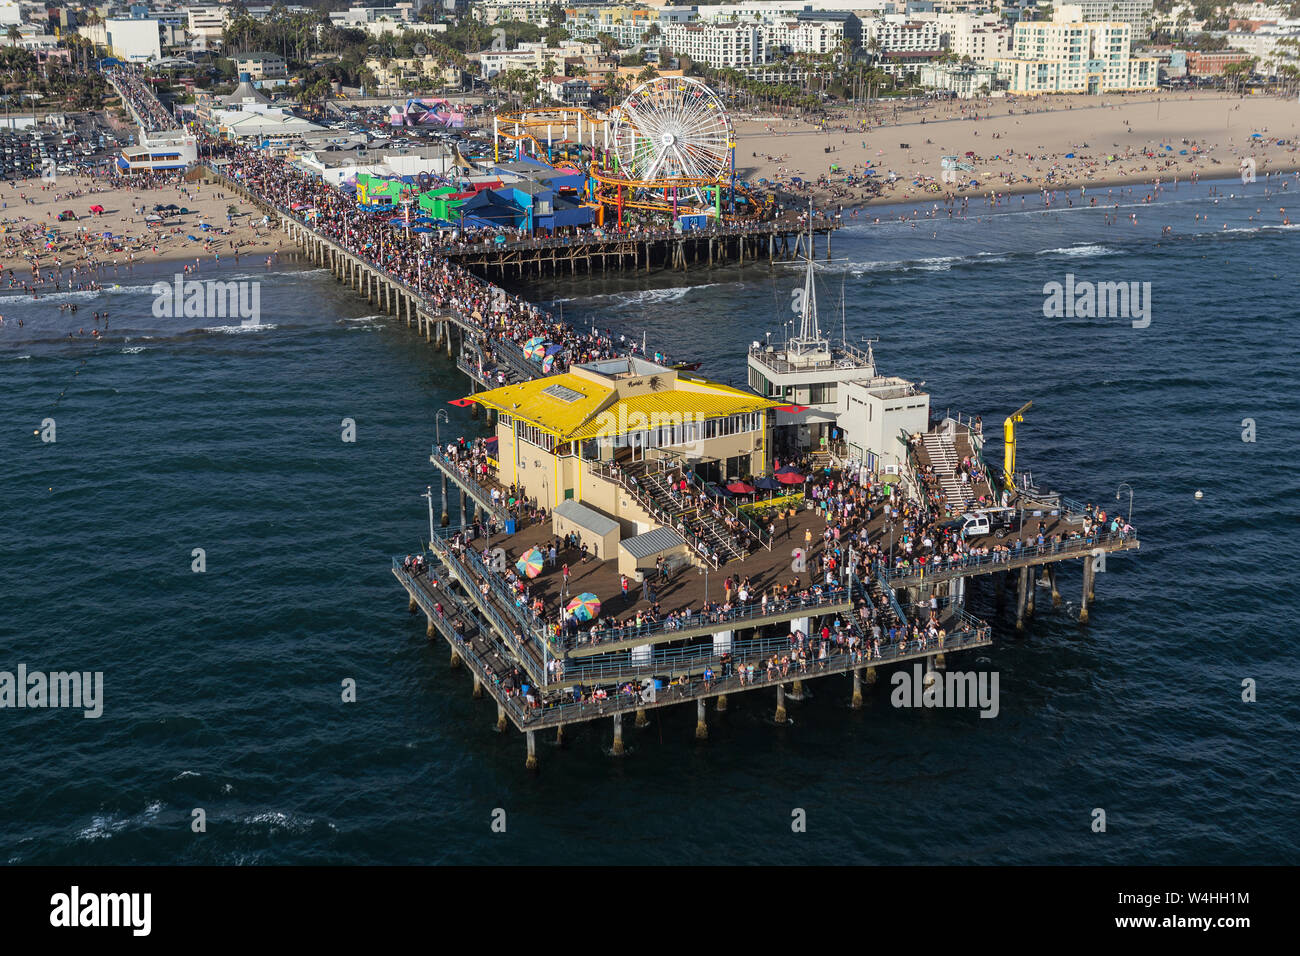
[
  {"x": 790, "y": 478},
  {"x": 740, "y": 488}
]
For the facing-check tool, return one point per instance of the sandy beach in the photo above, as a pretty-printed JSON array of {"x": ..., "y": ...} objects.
[
  {"x": 1076, "y": 141},
  {"x": 120, "y": 235}
]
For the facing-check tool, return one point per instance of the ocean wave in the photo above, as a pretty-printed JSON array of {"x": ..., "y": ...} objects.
[
  {"x": 644, "y": 296},
  {"x": 133, "y": 350},
  {"x": 286, "y": 822},
  {"x": 236, "y": 329},
  {"x": 923, "y": 264},
  {"x": 186, "y": 773},
  {"x": 1079, "y": 252}
]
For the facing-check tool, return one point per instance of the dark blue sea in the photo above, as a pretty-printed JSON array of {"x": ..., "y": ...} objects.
[{"x": 222, "y": 688}]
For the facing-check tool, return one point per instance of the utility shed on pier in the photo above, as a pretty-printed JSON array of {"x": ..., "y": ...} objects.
[
  {"x": 598, "y": 531},
  {"x": 638, "y": 553}
]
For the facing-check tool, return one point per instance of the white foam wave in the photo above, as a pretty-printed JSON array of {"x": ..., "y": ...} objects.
[
  {"x": 277, "y": 820},
  {"x": 1079, "y": 252},
  {"x": 236, "y": 329},
  {"x": 187, "y": 773}
]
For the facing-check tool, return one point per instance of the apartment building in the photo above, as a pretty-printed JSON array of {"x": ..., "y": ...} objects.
[
  {"x": 1071, "y": 55},
  {"x": 262, "y": 66},
  {"x": 718, "y": 44}
]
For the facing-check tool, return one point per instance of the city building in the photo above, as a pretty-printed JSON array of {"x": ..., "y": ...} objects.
[
  {"x": 1070, "y": 55},
  {"x": 719, "y": 44},
  {"x": 262, "y": 66}
]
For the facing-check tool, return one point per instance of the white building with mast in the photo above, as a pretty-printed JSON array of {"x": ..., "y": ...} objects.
[{"x": 836, "y": 400}]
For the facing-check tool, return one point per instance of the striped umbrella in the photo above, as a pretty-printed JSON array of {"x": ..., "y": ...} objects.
[
  {"x": 531, "y": 563},
  {"x": 585, "y": 607},
  {"x": 535, "y": 351}
]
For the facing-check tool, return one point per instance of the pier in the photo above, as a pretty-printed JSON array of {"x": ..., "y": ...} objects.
[
  {"x": 793, "y": 625},
  {"x": 735, "y": 245}
]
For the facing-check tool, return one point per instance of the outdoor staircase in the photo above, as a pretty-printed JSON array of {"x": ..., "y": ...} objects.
[
  {"x": 718, "y": 536},
  {"x": 943, "y": 458}
]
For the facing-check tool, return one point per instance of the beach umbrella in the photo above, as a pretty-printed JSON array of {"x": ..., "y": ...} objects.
[
  {"x": 585, "y": 607},
  {"x": 767, "y": 484},
  {"x": 788, "y": 470},
  {"x": 536, "y": 351},
  {"x": 790, "y": 478},
  {"x": 740, "y": 488},
  {"x": 531, "y": 563}
]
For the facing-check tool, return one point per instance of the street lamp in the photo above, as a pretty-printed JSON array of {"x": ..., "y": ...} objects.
[
  {"x": 428, "y": 496},
  {"x": 1122, "y": 486},
  {"x": 705, "y": 571},
  {"x": 440, "y": 416}
]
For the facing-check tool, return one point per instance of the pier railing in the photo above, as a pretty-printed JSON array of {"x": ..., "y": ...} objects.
[
  {"x": 475, "y": 488},
  {"x": 523, "y": 624},
  {"x": 838, "y": 660},
  {"x": 752, "y": 611},
  {"x": 773, "y": 227},
  {"x": 1071, "y": 548}
]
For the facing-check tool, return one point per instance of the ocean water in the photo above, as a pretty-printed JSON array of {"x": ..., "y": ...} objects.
[{"x": 222, "y": 688}]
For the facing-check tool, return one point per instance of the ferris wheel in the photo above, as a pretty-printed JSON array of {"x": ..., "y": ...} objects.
[{"x": 673, "y": 129}]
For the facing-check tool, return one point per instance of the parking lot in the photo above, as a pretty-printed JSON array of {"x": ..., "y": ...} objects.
[{"x": 86, "y": 143}]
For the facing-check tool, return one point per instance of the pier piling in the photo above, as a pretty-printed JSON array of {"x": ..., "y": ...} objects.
[
  {"x": 722, "y": 703},
  {"x": 478, "y": 687},
  {"x": 857, "y": 689},
  {"x": 1087, "y": 590},
  {"x": 618, "y": 735},
  {"x": 701, "y": 725},
  {"x": 531, "y": 762},
  {"x": 501, "y": 718},
  {"x": 779, "y": 717},
  {"x": 640, "y": 717}
]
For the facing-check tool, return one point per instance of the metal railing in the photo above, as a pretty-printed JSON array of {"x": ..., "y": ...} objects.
[
  {"x": 476, "y": 489},
  {"x": 560, "y": 710},
  {"x": 1073, "y": 547},
  {"x": 752, "y": 611}
]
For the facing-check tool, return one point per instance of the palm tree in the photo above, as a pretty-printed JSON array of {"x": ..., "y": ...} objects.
[{"x": 14, "y": 35}]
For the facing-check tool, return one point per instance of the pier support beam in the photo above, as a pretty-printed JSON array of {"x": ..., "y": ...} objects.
[
  {"x": 1033, "y": 590},
  {"x": 701, "y": 725},
  {"x": 478, "y": 687},
  {"x": 1086, "y": 596},
  {"x": 559, "y": 735},
  {"x": 618, "y": 735},
  {"x": 455, "y": 660},
  {"x": 779, "y": 717},
  {"x": 857, "y": 690},
  {"x": 411, "y": 606},
  {"x": 531, "y": 762},
  {"x": 797, "y": 690},
  {"x": 1021, "y": 596},
  {"x": 929, "y": 678},
  {"x": 722, "y": 703},
  {"x": 871, "y": 676},
  {"x": 1051, "y": 576},
  {"x": 640, "y": 720},
  {"x": 429, "y": 630},
  {"x": 501, "y": 718}
]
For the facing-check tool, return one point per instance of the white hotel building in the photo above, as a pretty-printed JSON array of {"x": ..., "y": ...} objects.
[
  {"x": 1069, "y": 55},
  {"x": 731, "y": 45}
]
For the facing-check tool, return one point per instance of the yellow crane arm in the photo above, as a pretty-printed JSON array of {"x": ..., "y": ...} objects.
[{"x": 1009, "y": 444}]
